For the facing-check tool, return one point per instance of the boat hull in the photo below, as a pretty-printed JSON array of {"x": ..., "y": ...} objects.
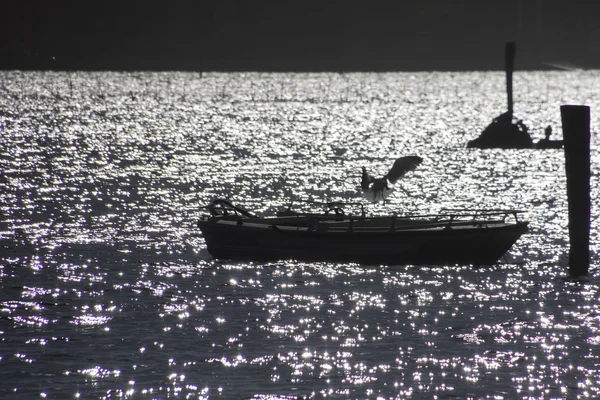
[{"x": 481, "y": 245}]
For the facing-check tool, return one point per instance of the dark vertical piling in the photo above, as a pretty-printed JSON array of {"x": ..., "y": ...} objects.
[
  {"x": 576, "y": 136},
  {"x": 509, "y": 62}
]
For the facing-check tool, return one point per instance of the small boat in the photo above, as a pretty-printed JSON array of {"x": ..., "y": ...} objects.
[{"x": 450, "y": 237}]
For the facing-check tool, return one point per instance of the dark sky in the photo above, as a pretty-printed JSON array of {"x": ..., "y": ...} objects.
[{"x": 330, "y": 35}]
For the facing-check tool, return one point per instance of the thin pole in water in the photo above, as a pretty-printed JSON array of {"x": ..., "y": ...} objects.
[
  {"x": 509, "y": 61},
  {"x": 576, "y": 137}
]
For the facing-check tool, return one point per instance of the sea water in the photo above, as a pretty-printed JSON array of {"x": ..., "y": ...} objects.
[{"x": 107, "y": 290}]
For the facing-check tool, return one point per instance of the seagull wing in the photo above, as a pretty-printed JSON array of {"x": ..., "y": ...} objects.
[
  {"x": 402, "y": 166},
  {"x": 366, "y": 180}
]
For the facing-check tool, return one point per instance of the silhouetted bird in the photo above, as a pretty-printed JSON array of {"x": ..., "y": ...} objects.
[
  {"x": 375, "y": 189},
  {"x": 547, "y": 143}
]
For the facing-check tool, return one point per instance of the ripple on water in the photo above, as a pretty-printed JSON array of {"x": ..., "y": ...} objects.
[{"x": 107, "y": 290}]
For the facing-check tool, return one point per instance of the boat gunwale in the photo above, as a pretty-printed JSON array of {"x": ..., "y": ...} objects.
[
  {"x": 337, "y": 214},
  {"x": 341, "y": 228},
  {"x": 391, "y": 223}
]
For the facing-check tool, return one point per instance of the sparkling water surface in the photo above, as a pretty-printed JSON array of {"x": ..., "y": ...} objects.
[{"x": 107, "y": 290}]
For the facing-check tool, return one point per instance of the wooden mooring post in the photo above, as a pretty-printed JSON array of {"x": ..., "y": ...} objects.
[{"x": 576, "y": 137}]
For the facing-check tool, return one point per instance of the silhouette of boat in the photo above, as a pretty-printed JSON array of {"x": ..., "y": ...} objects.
[
  {"x": 504, "y": 132},
  {"x": 451, "y": 237}
]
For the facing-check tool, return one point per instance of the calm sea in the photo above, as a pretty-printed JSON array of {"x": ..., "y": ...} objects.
[{"x": 107, "y": 290}]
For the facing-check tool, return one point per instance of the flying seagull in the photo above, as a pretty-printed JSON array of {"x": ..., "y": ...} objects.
[{"x": 375, "y": 189}]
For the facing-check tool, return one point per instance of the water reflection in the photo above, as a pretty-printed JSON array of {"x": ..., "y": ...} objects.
[{"x": 107, "y": 290}]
